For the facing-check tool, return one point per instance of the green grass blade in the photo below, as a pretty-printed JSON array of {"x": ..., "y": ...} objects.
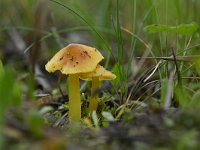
[{"x": 83, "y": 19}]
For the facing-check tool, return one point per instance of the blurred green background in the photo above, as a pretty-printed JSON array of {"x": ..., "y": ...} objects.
[{"x": 32, "y": 31}]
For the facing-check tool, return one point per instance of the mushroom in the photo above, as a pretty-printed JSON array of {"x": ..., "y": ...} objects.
[
  {"x": 100, "y": 73},
  {"x": 73, "y": 60}
]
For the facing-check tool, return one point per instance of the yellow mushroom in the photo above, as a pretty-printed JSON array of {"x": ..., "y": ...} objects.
[
  {"x": 73, "y": 60},
  {"x": 100, "y": 73}
]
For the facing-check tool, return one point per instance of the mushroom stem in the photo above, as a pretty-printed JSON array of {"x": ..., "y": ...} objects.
[
  {"x": 93, "y": 104},
  {"x": 74, "y": 97}
]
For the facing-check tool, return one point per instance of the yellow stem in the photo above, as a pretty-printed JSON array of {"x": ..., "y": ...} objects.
[
  {"x": 94, "y": 95},
  {"x": 74, "y": 98}
]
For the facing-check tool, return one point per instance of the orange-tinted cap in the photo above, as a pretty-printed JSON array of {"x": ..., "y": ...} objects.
[
  {"x": 75, "y": 58},
  {"x": 100, "y": 72}
]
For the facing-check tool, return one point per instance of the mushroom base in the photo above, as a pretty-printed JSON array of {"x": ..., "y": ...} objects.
[{"x": 93, "y": 104}]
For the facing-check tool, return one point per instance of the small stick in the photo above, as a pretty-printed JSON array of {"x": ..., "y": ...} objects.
[
  {"x": 178, "y": 58},
  {"x": 177, "y": 68}
]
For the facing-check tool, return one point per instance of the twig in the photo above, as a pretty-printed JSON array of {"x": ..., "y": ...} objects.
[
  {"x": 178, "y": 58},
  {"x": 177, "y": 68}
]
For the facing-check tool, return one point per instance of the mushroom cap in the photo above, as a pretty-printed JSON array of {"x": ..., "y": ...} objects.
[
  {"x": 75, "y": 58},
  {"x": 100, "y": 72}
]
